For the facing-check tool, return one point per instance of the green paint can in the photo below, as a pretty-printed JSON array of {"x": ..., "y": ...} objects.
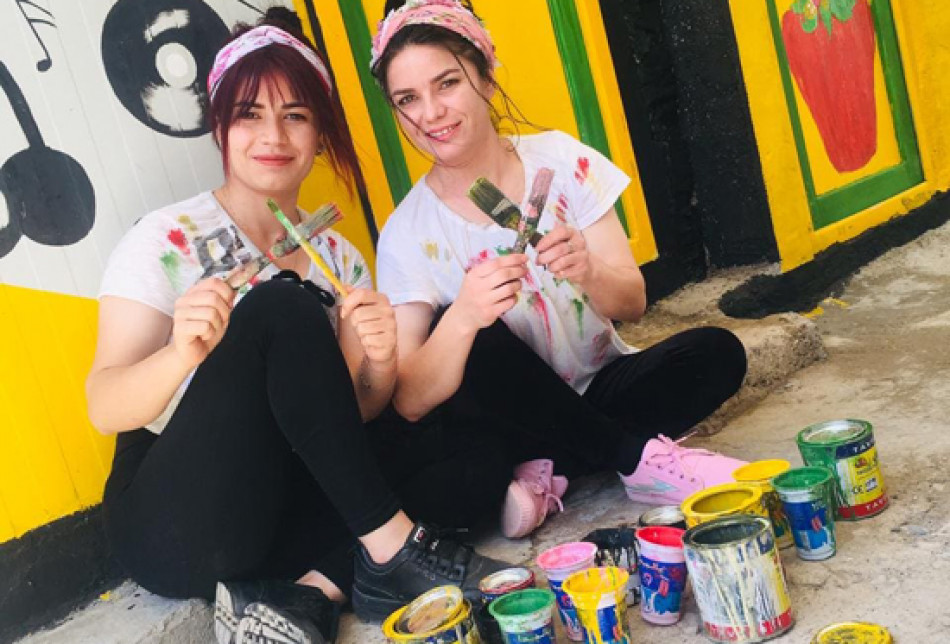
[{"x": 846, "y": 447}]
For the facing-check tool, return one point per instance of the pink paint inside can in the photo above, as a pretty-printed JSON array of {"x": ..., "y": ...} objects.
[{"x": 567, "y": 557}]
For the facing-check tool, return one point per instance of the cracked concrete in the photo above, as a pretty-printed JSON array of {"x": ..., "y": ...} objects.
[{"x": 883, "y": 340}]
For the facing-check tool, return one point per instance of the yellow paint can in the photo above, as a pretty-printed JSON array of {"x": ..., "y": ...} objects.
[
  {"x": 722, "y": 501},
  {"x": 760, "y": 473},
  {"x": 853, "y": 633}
]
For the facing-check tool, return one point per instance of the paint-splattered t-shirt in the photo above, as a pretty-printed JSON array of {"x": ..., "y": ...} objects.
[
  {"x": 425, "y": 249},
  {"x": 171, "y": 249}
]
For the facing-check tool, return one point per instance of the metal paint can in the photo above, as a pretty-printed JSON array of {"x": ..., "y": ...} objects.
[
  {"x": 505, "y": 581},
  {"x": 439, "y": 616},
  {"x": 847, "y": 448},
  {"x": 670, "y": 516},
  {"x": 722, "y": 501},
  {"x": 737, "y": 579},
  {"x": 853, "y": 633},
  {"x": 760, "y": 473}
]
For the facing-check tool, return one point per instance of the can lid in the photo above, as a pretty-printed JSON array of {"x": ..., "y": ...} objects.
[
  {"x": 662, "y": 515},
  {"x": 430, "y": 610},
  {"x": 833, "y": 431},
  {"x": 853, "y": 633}
]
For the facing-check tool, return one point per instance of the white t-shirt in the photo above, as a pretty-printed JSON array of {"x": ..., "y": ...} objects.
[
  {"x": 425, "y": 249},
  {"x": 171, "y": 249}
]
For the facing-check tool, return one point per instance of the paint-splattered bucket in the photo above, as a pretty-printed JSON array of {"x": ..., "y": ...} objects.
[
  {"x": 807, "y": 494},
  {"x": 599, "y": 596},
  {"x": 737, "y": 579},
  {"x": 662, "y": 573},
  {"x": 722, "y": 501},
  {"x": 558, "y": 563},
  {"x": 439, "y": 616},
  {"x": 853, "y": 633},
  {"x": 525, "y": 616},
  {"x": 760, "y": 473},
  {"x": 618, "y": 547},
  {"x": 847, "y": 448}
]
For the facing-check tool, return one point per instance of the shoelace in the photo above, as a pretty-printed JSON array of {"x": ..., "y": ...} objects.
[
  {"x": 674, "y": 455},
  {"x": 540, "y": 488}
]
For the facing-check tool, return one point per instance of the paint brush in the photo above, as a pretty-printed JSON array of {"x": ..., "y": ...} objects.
[
  {"x": 303, "y": 243},
  {"x": 325, "y": 216},
  {"x": 540, "y": 188},
  {"x": 496, "y": 205}
]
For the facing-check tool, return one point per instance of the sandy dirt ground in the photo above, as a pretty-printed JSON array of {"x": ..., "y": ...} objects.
[{"x": 887, "y": 336}]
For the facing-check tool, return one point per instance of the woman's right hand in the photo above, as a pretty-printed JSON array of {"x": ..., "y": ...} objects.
[
  {"x": 201, "y": 318},
  {"x": 489, "y": 290}
]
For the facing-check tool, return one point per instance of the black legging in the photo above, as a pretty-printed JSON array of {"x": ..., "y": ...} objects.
[{"x": 264, "y": 469}]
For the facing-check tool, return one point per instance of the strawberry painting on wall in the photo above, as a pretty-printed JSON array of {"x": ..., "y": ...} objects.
[{"x": 830, "y": 46}]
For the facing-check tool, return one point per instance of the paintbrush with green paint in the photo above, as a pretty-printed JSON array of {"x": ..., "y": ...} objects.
[
  {"x": 500, "y": 208},
  {"x": 325, "y": 216},
  {"x": 305, "y": 244}
]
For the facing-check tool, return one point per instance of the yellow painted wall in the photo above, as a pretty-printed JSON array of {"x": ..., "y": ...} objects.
[{"x": 921, "y": 30}]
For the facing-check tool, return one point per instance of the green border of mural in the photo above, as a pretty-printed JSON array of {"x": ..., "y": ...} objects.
[
  {"x": 380, "y": 114},
  {"x": 842, "y": 202},
  {"x": 580, "y": 82}
]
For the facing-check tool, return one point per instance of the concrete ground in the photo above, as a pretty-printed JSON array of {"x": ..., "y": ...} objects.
[{"x": 880, "y": 347}]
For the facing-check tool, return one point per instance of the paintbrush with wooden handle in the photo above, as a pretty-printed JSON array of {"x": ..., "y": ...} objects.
[
  {"x": 325, "y": 216},
  {"x": 540, "y": 188}
]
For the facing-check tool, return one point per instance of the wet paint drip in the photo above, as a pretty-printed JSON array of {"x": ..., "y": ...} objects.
[
  {"x": 848, "y": 449},
  {"x": 737, "y": 579},
  {"x": 598, "y": 595}
]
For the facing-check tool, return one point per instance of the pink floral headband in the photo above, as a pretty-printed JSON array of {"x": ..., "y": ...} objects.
[
  {"x": 448, "y": 14},
  {"x": 255, "y": 39}
]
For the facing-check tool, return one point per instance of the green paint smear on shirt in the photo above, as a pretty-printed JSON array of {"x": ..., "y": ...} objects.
[
  {"x": 579, "y": 312},
  {"x": 170, "y": 264},
  {"x": 357, "y": 273}
]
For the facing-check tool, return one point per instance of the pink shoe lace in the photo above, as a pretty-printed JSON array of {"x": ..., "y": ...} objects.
[
  {"x": 674, "y": 455},
  {"x": 537, "y": 476}
]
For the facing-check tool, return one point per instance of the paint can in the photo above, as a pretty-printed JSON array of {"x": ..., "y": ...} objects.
[
  {"x": 670, "y": 516},
  {"x": 807, "y": 494},
  {"x": 492, "y": 587},
  {"x": 847, "y": 448},
  {"x": 662, "y": 573},
  {"x": 598, "y": 594},
  {"x": 760, "y": 473},
  {"x": 505, "y": 581},
  {"x": 525, "y": 616},
  {"x": 438, "y": 616},
  {"x": 558, "y": 563},
  {"x": 722, "y": 501},
  {"x": 618, "y": 547},
  {"x": 853, "y": 633},
  {"x": 737, "y": 579}
]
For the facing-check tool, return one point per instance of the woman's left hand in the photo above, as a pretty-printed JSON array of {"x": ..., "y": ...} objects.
[
  {"x": 371, "y": 315},
  {"x": 563, "y": 251}
]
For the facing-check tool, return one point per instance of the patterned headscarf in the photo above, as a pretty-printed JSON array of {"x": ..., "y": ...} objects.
[
  {"x": 258, "y": 38},
  {"x": 448, "y": 14}
]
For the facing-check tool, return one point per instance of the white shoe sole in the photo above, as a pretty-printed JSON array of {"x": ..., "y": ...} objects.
[
  {"x": 225, "y": 621},
  {"x": 263, "y": 625}
]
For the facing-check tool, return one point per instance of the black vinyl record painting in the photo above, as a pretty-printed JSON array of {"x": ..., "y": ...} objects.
[{"x": 157, "y": 55}]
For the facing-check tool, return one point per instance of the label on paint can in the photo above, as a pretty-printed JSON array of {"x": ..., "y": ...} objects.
[
  {"x": 565, "y": 608},
  {"x": 737, "y": 579},
  {"x": 847, "y": 448},
  {"x": 808, "y": 519},
  {"x": 661, "y": 586},
  {"x": 610, "y": 618}
]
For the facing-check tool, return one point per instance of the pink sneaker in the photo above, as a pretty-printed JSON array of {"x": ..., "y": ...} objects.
[
  {"x": 532, "y": 496},
  {"x": 668, "y": 473}
]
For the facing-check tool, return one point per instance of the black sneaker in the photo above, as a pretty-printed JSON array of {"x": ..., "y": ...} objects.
[
  {"x": 425, "y": 561},
  {"x": 273, "y": 612}
]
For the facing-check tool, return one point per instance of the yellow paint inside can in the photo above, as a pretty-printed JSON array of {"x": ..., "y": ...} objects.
[{"x": 723, "y": 500}]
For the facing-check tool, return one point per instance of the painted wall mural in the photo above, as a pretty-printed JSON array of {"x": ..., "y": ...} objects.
[
  {"x": 830, "y": 48},
  {"x": 847, "y": 99}
]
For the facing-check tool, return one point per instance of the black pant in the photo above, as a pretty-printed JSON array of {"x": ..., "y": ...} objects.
[
  {"x": 264, "y": 469},
  {"x": 513, "y": 407}
]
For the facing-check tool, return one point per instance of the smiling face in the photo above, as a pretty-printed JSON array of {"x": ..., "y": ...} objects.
[
  {"x": 441, "y": 103},
  {"x": 272, "y": 142}
]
